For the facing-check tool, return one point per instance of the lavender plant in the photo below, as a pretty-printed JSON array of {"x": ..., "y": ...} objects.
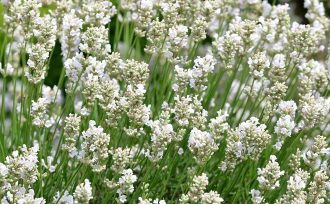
[{"x": 164, "y": 101}]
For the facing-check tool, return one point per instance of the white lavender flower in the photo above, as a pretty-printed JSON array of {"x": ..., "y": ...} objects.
[
  {"x": 44, "y": 29},
  {"x": 257, "y": 64},
  {"x": 314, "y": 109},
  {"x": 97, "y": 13},
  {"x": 94, "y": 41},
  {"x": 70, "y": 36},
  {"x": 268, "y": 177},
  {"x": 199, "y": 73},
  {"x": 122, "y": 158},
  {"x": 284, "y": 126},
  {"x": 257, "y": 198},
  {"x": 247, "y": 141},
  {"x": 167, "y": 91},
  {"x": 125, "y": 184},
  {"x": 313, "y": 153},
  {"x": 197, "y": 192},
  {"x": 39, "y": 113},
  {"x": 94, "y": 148},
  {"x": 295, "y": 188},
  {"x": 162, "y": 135},
  {"x": 83, "y": 193},
  {"x": 287, "y": 108},
  {"x": 65, "y": 199},
  {"x": 202, "y": 145},
  {"x": 150, "y": 201},
  {"x": 71, "y": 133},
  {"x": 218, "y": 126}
]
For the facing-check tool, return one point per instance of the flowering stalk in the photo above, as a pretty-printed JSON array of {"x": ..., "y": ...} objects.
[{"x": 164, "y": 102}]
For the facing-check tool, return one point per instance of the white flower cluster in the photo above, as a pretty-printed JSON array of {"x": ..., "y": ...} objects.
[
  {"x": 17, "y": 9},
  {"x": 143, "y": 101},
  {"x": 199, "y": 73},
  {"x": 39, "y": 113},
  {"x": 94, "y": 148},
  {"x": 125, "y": 184},
  {"x": 74, "y": 70},
  {"x": 314, "y": 109},
  {"x": 65, "y": 199},
  {"x": 268, "y": 176},
  {"x": 313, "y": 76},
  {"x": 83, "y": 193},
  {"x": 197, "y": 192},
  {"x": 142, "y": 16},
  {"x": 202, "y": 145},
  {"x": 295, "y": 189},
  {"x": 247, "y": 141},
  {"x": 189, "y": 112},
  {"x": 257, "y": 64},
  {"x": 219, "y": 125},
  {"x": 97, "y": 13},
  {"x": 316, "y": 14},
  {"x": 44, "y": 30},
  {"x": 277, "y": 71},
  {"x": 313, "y": 153},
  {"x": 177, "y": 40},
  {"x": 285, "y": 124},
  {"x": 268, "y": 179},
  {"x": 240, "y": 37},
  {"x": 122, "y": 157},
  {"x": 21, "y": 165},
  {"x": 70, "y": 35},
  {"x": 256, "y": 196},
  {"x": 71, "y": 132},
  {"x": 23, "y": 196},
  {"x": 317, "y": 190},
  {"x": 94, "y": 41},
  {"x": 162, "y": 135},
  {"x": 150, "y": 201}
]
